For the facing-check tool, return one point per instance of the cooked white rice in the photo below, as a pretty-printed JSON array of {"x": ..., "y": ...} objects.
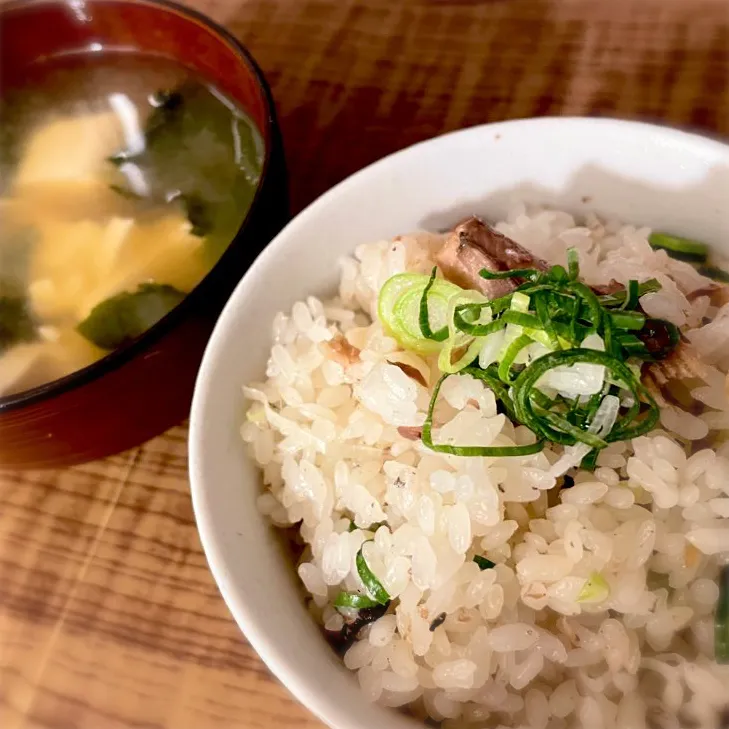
[{"x": 517, "y": 647}]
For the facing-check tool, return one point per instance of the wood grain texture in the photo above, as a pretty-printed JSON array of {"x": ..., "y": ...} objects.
[{"x": 109, "y": 618}]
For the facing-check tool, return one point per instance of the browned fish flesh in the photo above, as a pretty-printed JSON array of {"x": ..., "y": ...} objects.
[
  {"x": 475, "y": 246},
  {"x": 682, "y": 364}
]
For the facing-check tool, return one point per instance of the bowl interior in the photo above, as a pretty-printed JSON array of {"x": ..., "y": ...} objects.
[{"x": 639, "y": 173}]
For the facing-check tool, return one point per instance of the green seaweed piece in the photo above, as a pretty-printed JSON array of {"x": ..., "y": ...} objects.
[
  {"x": 202, "y": 152},
  {"x": 122, "y": 318}
]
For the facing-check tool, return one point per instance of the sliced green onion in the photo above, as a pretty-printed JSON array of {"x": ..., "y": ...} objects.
[
  {"x": 445, "y": 358},
  {"x": 618, "y": 298},
  {"x": 442, "y": 334},
  {"x": 483, "y": 563},
  {"x": 520, "y": 301},
  {"x": 623, "y": 430},
  {"x": 558, "y": 274},
  {"x": 573, "y": 264},
  {"x": 458, "y": 340},
  {"x": 541, "y": 399},
  {"x": 371, "y": 583},
  {"x": 632, "y": 294},
  {"x": 519, "y": 318},
  {"x": 589, "y": 297},
  {"x": 354, "y": 601},
  {"x": 475, "y": 330},
  {"x": 595, "y": 589},
  {"x": 589, "y": 462},
  {"x": 511, "y": 353},
  {"x": 608, "y": 335},
  {"x": 541, "y": 306},
  {"x": 574, "y": 335},
  {"x": 721, "y": 619},
  {"x": 682, "y": 249},
  {"x": 554, "y": 309},
  {"x": 570, "y": 333},
  {"x": 632, "y": 320},
  {"x": 530, "y": 273},
  {"x": 574, "y": 433},
  {"x": 632, "y": 346},
  {"x": 593, "y": 404},
  {"x": 398, "y": 308},
  {"x": 474, "y": 451},
  {"x": 715, "y": 273},
  {"x": 406, "y": 315},
  {"x": 371, "y": 528}
]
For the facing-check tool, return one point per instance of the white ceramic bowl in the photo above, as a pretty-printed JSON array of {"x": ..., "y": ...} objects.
[{"x": 639, "y": 173}]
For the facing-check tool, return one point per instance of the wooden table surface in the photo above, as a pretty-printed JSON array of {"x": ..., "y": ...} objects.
[{"x": 109, "y": 618}]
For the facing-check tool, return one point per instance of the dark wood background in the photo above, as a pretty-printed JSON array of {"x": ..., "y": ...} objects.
[{"x": 109, "y": 618}]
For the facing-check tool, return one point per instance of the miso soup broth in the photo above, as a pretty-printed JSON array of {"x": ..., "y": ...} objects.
[{"x": 122, "y": 181}]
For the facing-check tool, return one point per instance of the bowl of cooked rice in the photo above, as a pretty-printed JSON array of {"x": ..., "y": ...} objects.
[{"x": 458, "y": 445}]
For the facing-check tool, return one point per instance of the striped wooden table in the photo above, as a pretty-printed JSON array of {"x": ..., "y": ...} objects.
[{"x": 109, "y": 618}]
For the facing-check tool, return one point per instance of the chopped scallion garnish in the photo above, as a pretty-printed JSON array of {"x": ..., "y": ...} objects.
[
  {"x": 619, "y": 297},
  {"x": 520, "y": 337},
  {"x": 530, "y": 273},
  {"x": 484, "y": 451},
  {"x": 442, "y": 334},
  {"x": 632, "y": 294},
  {"x": 573, "y": 264},
  {"x": 354, "y": 601},
  {"x": 371, "y": 583},
  {"x": 555, "y": 429},
  {"x": 633, "y": 320},
  {"x": 682, "y": 249},
  {"x": 715, "y": 273}
]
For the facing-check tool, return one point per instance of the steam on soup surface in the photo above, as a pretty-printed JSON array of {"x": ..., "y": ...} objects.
[{"x": 122, "y": 181}]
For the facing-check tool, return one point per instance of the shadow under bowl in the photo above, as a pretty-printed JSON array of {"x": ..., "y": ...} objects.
[{"x": 140, "y": 390}]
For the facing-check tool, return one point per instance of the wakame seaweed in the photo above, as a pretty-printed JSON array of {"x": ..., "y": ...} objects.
[
  {"x": 17, "y": 323},
  {"x": 122, "y": 318},
  {"x": 202, "y": 152}
]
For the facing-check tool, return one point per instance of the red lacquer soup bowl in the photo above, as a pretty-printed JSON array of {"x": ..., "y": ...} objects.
[{"x": 142, "y": 389}]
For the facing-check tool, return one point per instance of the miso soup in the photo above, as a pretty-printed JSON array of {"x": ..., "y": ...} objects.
[{"x": 122, "y": 181}]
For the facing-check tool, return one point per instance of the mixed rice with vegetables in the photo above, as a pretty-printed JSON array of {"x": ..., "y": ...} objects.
[{"x": 505, "y": 452}]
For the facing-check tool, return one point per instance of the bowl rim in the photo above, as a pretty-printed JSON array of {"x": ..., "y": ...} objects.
[
  {"x": 322, "y": 705},
  {"x": 117, "y": 358}
]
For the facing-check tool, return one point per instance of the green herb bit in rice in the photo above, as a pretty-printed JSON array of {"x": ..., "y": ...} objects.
[
  {"x": 682, "y": 249},
  {"x": 561, "y": 358},
  {"x": 689, "y": 251},
  {"x": 371, "y": 528},
  {"x": 595, "y": 589},
  {"x": 714, "y": 272},
  {"x": 483, "y": 563},
  {"x": 376, "y": 593},
  {"x": 354, "y": 601}
]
